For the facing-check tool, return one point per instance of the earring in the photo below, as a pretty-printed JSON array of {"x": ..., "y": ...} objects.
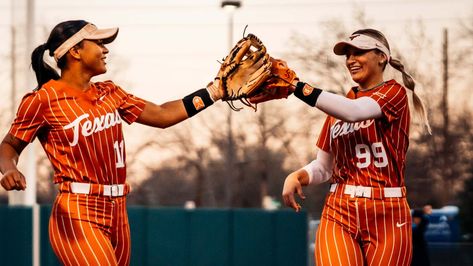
[{"x": 381, "y": 63}]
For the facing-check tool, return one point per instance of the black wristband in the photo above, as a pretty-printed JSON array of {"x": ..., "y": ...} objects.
[
  {"x": 197, "y": 101},
  {"x": 307, "y": 93}
]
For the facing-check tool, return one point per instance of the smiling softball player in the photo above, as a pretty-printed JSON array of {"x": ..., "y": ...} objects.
[
  {"x": 79, "y": 125},
  {"x": 362, "y": 150}
]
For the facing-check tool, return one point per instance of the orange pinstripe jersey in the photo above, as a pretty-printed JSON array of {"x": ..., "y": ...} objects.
[
  {"x": 372, "y": 152},
  {"x": 80, "y": 131}
]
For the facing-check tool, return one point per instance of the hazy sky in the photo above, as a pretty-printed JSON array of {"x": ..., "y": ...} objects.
[{"x": 166, "y": 49}]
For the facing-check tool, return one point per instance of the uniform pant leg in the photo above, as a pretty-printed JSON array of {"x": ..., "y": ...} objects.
[
  {"x": 335, "y": 242},
  {"x": 389, "y": 238},
  {"x": 79, "y": 230},
  {"x": 121, "y": 240}
]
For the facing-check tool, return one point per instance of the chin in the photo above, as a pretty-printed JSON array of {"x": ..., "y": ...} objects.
[
  {"x": 102, "y": 71},
  {"x": 356, "y": 79}
]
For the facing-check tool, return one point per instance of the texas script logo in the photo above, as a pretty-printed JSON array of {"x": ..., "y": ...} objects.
[
  {"x": 344, "y": 128},
  {"x": 89, "y": 127}
]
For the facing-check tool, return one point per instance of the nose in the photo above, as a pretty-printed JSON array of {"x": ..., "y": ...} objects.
[
  {"x": 104, "y": 49},
  {"x": 350, "y": 59}
]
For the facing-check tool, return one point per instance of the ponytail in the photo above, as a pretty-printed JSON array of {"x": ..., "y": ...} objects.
[
  {"x": 43, "y": 71},
  {"x": 409, "y": 82}
]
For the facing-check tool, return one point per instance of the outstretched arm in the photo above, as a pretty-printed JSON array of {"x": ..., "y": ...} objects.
[
  {"x": 173, "y": 112},
  {"x": 349, "y": 110},
  {"x": 164, "y": 115},
  {"x": 10, "y": 150}
]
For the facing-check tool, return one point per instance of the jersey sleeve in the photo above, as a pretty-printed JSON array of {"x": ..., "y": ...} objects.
[
  {"x": 392, "y": 99},
  {"x": 29, "y": 117},
  {"x": 130, "y": 107},
  {"x": 324, "y": 142}
]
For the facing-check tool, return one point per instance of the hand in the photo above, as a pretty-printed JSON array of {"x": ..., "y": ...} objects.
[
  {"x": 292, "y": 185},
  {"x": 13, "y": 180},
  {"x": 215, "y": 90}
]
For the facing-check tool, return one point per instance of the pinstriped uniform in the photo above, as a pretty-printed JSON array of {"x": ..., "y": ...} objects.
[
  {"x": 81, "y": 133},
  {"x": 374, "y": 230}
]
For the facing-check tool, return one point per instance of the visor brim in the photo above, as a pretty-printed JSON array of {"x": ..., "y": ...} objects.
[
  {"x": 341, "y": 48},
  {"x": 106, "y": 35}
]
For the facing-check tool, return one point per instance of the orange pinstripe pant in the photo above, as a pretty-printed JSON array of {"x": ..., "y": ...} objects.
[
  {"x": 362, "y": 231},
  {"x": 90, "y": 230}
]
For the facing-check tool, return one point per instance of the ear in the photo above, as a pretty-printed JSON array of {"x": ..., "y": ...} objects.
[
  {"x": 74, "y": 52},
  {"x": 383, "y": 58}
]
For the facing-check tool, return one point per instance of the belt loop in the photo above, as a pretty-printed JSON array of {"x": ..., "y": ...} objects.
[{"x": 333, "y": 187}]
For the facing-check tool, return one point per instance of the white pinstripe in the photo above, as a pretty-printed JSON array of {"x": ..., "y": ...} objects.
[
  {"x": 70, "y": 233},
  {"x": 93, "y": 233}
]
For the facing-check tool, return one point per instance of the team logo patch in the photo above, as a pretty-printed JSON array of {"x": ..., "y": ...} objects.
[
  {"x": 198, "y": 103},
  {"x": 307, "y": 90}
]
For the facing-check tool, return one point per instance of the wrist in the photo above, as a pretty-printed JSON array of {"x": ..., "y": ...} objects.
[
  {"x": 197, "y": 101},
  {"x": 307, "y": 93}
]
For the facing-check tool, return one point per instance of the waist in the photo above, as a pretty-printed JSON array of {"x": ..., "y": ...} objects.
[
  {"x": 115, "y": 190},
  {"x": 368, "y": 192}
]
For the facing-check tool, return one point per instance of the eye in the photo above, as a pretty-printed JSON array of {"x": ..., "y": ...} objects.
[
  {"x": 358, "y": 52},
  {"x": 355, "y": 52}
]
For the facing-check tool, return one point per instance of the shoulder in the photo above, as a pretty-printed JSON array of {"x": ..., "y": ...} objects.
[
  {"x": 392, "y": 86},
  {"x": 391, "y": 89},
  {"x": 49, "y": 90}
]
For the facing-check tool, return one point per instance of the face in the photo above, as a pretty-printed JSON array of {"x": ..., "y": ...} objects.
[
  {"x": 93, "y": 54},
  {"x": 364, "y": 66}
]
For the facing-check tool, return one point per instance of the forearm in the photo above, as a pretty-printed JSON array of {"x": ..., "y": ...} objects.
[
  {"x": 173, "y": 112},
  {"x": 319, "y": 170},
  {"x": 164, "y": 115},
  {"x": 350, "y": 110},
  {"x": 8, "y": 157}
]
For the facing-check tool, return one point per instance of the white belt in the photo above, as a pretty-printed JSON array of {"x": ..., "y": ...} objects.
[
  {"x": 361, "y": 191},
  {"x": 108, "y": 190}
]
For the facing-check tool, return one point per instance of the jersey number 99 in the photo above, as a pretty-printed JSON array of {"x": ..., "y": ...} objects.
[{"x": 365, "y": 154}]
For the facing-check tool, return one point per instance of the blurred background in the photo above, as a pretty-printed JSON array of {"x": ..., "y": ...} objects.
[{"x": 226, "y": 159}]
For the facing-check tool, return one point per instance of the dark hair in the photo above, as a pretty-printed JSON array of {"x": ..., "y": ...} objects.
[
  {"x": 407, "y": 79},
  {"x": 60, "y": 33}
]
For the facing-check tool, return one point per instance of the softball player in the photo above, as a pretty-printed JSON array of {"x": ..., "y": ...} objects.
[
  {"x": 362, "y": 149},
  {"x": 79, "y": 125}
]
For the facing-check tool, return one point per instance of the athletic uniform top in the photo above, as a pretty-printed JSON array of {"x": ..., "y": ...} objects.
[
  {"x": 80, "y": 131},
  {"x": 371, "y": 152}
]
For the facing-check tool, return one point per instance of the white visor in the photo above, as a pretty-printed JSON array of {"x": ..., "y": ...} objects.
[
  {"x": 88, "y": 32},
  {"x": 362, "y": 42}
]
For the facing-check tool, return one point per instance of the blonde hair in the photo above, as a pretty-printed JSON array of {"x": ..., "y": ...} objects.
[{"x": 407, "y": 79}]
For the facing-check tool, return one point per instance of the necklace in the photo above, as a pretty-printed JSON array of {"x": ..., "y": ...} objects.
[{"x": 374, "y": 87}]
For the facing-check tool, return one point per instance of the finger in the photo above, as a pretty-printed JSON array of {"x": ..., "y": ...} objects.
[
  {"x": 10, "y": 182},
  {"x": 19, "y": 182},
  {"x": 292, "y": 203},
  {"x": 23, "y": 181},
  {"x": 300, "y": 192},
  {"x": 3, "y": 183},
  {"x": 288, "y": 199}
]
